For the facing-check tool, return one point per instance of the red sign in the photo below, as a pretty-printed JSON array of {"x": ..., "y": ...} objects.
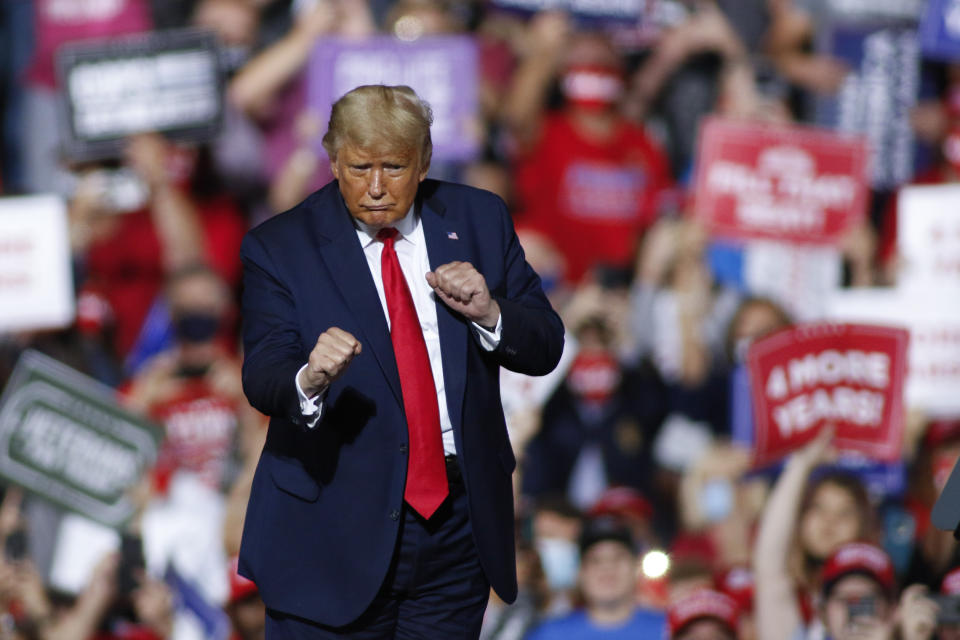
[
  {"x": 847, "y": 375},
  {"x": 791, "y": 183}
]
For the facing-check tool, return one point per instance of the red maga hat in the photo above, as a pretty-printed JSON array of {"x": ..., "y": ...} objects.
[
  {"x": 703, "y": 603},
  {"x": 859, "y": 557}
]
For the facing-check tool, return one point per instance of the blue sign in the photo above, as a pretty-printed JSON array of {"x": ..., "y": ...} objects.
[{"x": 940, "y": 30}]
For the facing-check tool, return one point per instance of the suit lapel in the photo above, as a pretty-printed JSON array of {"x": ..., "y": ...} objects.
[
  {"x": 344, "y": 259},
  {"x": 444, "y": 235}
]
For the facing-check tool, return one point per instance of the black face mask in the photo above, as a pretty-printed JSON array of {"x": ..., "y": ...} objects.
[{"x": 196, "y": 326}]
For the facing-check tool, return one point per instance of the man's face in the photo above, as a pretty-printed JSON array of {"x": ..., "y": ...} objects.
[
  {"x": 608, "y": 573},
  {"x": 378, "y": 186},
  {"x": 856, "y": 603}
]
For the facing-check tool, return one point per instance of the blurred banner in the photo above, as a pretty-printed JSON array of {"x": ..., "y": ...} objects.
[
  {"x": 164, "y": 81},
  {"x": 877, "y": 96},
  {"x": 800, "y": 277},
  {"x": 928, "y": 238},
  {"x": 63, "y": 436},
  {"x": 634, "y": 13},
  {"x": 933, "y": 319},
  {"x": 799, "y": 184},
  {"x": 811, "y": 375},
  {"x": 872, "y": 12},
  {"x": 442, "y": 70},
  {"x": 940, "y": 30},
  {"x": 36, "y": 276}
]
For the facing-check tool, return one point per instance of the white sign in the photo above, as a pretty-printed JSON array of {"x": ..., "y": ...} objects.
[
  {"x": 36, "y": 277},
  {"x": 798, "y": 277},
  {"x": 933, "y": 319},
  {"x": 928, "y": 237}
]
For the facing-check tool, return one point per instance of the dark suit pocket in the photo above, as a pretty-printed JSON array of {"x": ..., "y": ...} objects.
[
  {"x": 507, "y": 459},
  {"x": 290, "y": 476}
]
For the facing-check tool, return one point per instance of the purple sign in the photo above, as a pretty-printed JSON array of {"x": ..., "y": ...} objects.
[
  {"x": 940, "y": 30},
  {"x": 442, "y": 70}
]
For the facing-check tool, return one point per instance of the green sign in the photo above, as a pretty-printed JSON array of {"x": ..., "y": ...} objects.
[{"x": 63, "y": 437}]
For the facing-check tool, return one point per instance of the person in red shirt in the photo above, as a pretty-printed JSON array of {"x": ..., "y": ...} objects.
[{"x": 586, "y": 176}]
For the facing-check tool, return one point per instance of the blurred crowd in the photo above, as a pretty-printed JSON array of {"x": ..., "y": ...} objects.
[{"x": 638, "y": 515}]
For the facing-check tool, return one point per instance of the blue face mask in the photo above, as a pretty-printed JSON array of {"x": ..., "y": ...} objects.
[
  {"x": 716, "y": 500},
  {"x": 196, "y": 326},
  {"x": 560, "y": 560}
]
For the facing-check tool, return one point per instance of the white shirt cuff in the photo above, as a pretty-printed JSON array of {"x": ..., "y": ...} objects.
[
  {"x": 489, "y": 340},
  {"x": 311, "y": 408}
]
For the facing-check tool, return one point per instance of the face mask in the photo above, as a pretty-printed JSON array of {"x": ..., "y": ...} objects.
[
  {"x": 560, "y": 560},
  {"x": 234, "y": 56},
  {"x": 594, "y": 376},
  {"x": 592, "y": 87},
  {"x": 740, "y": 348},
  {"x": 716, "y": 500},
  {"x": 196, "y": 326}
]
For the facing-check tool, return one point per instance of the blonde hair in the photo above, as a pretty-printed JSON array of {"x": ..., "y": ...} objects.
[{"x": 381, "y": 118}]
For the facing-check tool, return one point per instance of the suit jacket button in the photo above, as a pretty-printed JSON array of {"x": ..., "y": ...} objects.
[
  {"x": 395, "y": 514},
  {"x": 403, "y": 448}
]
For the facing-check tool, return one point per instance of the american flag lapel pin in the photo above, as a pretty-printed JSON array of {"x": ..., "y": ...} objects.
[{"x": 452, "y": 235}]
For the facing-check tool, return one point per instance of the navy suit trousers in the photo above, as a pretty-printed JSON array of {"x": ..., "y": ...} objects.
[{"x": 435, "y": 587}]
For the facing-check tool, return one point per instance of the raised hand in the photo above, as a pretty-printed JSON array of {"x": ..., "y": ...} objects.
[
  {"x": 333, "y": 352},
  {"x": 462, "y": 288}
]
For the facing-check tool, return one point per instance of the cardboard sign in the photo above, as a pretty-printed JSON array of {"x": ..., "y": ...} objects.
[
  {"x": 798, "y": 184},
  {"x": 808, "y": 376},
  {"x": 164, "y": 81},
  {"x": 928, "y": 238},
  {"x": 933, "y": 320},
  {"x": 940, "y": 30},
  {"x": 799, "y": 277},
  {"x": 36, "y": 274},
  {"x": 877, "y": 96},
  {"x": 442, "y": 70},
  {"x": 63, "y": 437}
]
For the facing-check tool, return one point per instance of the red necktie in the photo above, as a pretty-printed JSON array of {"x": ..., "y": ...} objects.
[{"x": 426, "y": 470}]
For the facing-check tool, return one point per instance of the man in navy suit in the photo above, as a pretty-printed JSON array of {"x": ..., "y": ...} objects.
[{"x": 377, "y": 314}]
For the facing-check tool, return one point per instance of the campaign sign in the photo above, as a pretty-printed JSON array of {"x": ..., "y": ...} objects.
[
  {"x": 811, "y": 375},
  {"x": 798, "y": 184},
  {"x": 36, "y": 275},
  {"x": 442, "y": 70},
  {"x": 877, "y": 96},
  {"x": 928, "y": 237},
  {"x": 933, "y": 319},
  {"x": 940, "y": 30},
  {"x": 63, "y": 437},
  {"x": 165, "y": 81}
]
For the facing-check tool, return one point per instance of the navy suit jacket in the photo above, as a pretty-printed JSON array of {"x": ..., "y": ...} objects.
[{"x": 325, "y": 506}]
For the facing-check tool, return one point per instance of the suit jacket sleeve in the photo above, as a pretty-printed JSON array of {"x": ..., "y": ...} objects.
[
  {"x": 273, "y": 351},
  {"x": 532, "y": 337}
]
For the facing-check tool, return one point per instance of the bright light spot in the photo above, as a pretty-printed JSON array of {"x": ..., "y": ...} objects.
[
  {"x": 655, "y": 564},
  {"x": 408, "y": 28}
]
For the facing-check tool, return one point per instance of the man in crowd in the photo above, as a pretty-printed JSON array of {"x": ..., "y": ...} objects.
[
  {"x": 608, "y": 570},
  {"x": 377, "y": 315}
]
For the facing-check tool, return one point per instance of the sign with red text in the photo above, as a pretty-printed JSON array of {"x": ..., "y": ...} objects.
[
  {"x": 790, "y": 183},
  {"x": 928, "y": 238},
  {"x": 846, "y": 375},
  {"x": 36, "y": 276}
]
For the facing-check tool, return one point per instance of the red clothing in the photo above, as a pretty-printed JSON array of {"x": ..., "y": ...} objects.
[
  {"x": 591, "y": 198},
  {"x": 127, "y": 268},
  {"x": 60, "y": 21}
]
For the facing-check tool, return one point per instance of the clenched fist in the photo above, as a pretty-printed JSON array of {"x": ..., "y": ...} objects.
[
  {"x": 462, "y": 288},
  {"x": 334, "y": 350}
]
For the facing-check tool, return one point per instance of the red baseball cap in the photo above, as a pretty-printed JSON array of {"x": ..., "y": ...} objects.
[
  {"x": 737, "y": 582},
  {"x": 703, "y": 603},
  {"x": 622, "y": 502},
  {"x": 859, "y": 557},
  {"x": 240, "y": 587},
  {"x": 951, "y": 583}
]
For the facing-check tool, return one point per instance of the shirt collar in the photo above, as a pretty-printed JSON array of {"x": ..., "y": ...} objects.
[{"x": 405, "y": 227}]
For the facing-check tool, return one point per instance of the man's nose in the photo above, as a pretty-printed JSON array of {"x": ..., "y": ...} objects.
[{"x": 375, "y": 185}]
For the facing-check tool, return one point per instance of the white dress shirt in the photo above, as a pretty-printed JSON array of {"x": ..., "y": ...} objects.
[{"x": 411, "y": 248}]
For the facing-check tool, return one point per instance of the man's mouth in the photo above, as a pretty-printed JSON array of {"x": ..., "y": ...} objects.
[{"x": 376, "y": 207}]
